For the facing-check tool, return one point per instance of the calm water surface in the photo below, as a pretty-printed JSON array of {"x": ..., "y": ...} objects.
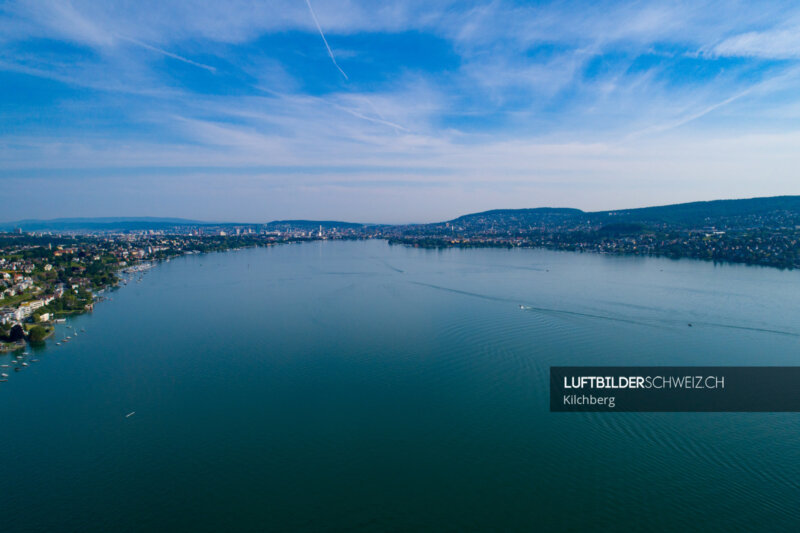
[{"x": 359, "y": 386}]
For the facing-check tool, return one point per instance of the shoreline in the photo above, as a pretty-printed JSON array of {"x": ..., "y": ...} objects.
[
  {"x": 508, "y": 246},
  {"x": 61, "y": 316}
]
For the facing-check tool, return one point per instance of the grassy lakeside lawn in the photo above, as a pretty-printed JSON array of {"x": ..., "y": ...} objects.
[{"x": 48, "y": 328}]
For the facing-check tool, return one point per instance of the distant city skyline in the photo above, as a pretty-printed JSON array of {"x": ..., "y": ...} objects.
[{"x": 407, "y": 112}]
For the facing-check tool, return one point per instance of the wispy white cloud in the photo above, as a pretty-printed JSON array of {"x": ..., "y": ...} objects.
[
  {"x": 689, "y": 117},
  {"x": 770, "y": 44},
  {"x": 67, "y": 21}
]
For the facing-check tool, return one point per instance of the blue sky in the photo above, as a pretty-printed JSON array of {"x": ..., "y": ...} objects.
[{"x": 392, "y": 111}]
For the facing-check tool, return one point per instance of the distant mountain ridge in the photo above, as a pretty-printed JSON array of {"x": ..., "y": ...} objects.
[
  {"x": 530, "y": 211},
  {"x": 685, "y": 214},
  {"x": 694, "y": 212},
  {"x": 157, "y": 223},
  {"x": 97, "y": 223}
]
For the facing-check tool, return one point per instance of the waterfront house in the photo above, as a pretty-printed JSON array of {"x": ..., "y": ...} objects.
[
  {"x": 6, "y": 315},
  {"x": 22, "y": 312}
]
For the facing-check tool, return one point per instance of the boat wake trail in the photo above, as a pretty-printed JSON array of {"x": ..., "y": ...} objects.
[
  {"x": 547, "y": 310},
  {"x": 563, "y": 312},
  {"x": 465, "y": 293},
  {"x": 390, "y": 267},
  {"x": 748, "y": 328}
]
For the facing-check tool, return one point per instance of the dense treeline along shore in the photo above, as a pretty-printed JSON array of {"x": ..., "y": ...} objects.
[{"x": 51, "y": 269}]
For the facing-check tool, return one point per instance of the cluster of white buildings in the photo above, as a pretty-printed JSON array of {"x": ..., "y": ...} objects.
[
  {"x": 25, "y": 310},
  {"x": 17, "y": 266},
  {"x": 13, "y": 284}
]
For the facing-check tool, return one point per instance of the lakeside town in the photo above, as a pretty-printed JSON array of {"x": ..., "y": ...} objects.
[
  {"x": 46, "y": 277},
  {"x": 756, "y": 231},
  {"x": 765, "y": 245}
]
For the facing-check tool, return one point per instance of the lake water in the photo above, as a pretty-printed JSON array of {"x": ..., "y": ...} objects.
[{"x": 365, "y": 387}]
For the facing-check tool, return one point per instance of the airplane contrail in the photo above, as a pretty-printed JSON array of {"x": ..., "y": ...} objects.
[
  {"x": 324, "y": 40},
  {"x": 167, "y": 53}
]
